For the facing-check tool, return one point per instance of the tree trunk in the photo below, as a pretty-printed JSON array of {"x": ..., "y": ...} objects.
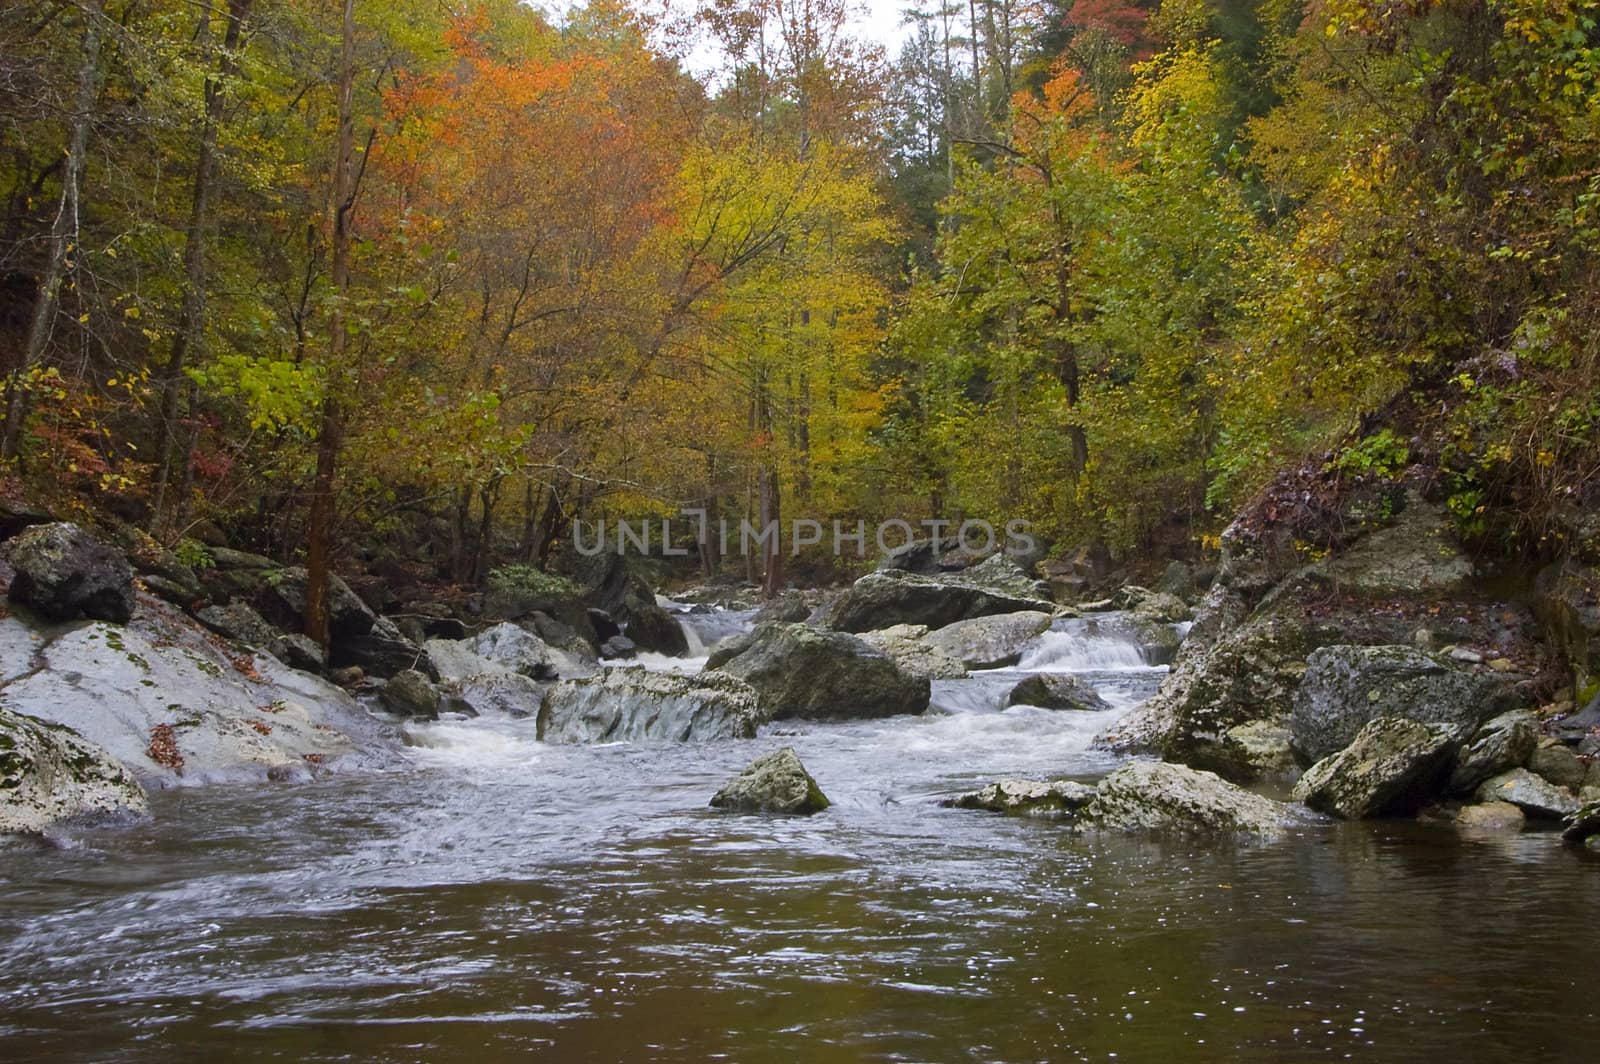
[
  {"x": 62, "y": 231},
  {"x": 190, "y": 340},
  {"x": 319, "y": 531}
]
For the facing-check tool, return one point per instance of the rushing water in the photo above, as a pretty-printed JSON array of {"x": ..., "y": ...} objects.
[{"x": 502, "y": 899}]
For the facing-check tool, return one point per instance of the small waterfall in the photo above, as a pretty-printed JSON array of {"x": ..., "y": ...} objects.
[{"x": 1083, "y": 644}]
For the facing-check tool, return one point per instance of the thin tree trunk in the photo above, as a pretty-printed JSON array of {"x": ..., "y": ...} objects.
[
  {"x": 319, "y": 531},
  {"x": 62, "y": 231},
  {"x": 190, "y": 340}
]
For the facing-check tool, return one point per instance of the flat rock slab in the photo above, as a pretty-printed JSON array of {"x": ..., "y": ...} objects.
[{"x": 636, "y": 705}]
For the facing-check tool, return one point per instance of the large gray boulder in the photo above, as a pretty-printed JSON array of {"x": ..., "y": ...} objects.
[
  {"x": 1393, "y": 766},
  {"x": 49, "y": 774},
  {"x": 1163, "y": 797},
  {"x": 240, "y": 622},
  {"x": 909, "y": 648},
  {"x": 990, "y": 642},
  {"x": 1344, "y": 687},
  {"x": 220, "y": 714},
  {"x": 636, "y": 705},
  {"x": 805, "y": 672},
  {"x": 892, "y": 596},
  {"x": 1056, "y": 690},
  {"x": 1001, "y": 573},
  {"x": 1027, "y": 798},
  {"x": 773, "y": 783},
  {"x": 62, "y": 573},
  {"x": 1500, "y": 745}
]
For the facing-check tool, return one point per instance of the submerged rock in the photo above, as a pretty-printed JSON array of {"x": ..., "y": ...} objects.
[
  {"x": 1057, "y": 690},
  {"x": 892, "y": 596},
  {"x": 907, "y": 646},
  {"x": 773, "y": 783},
  {"x": 62, "y": 573},
  {"x": 49, "y": 774},
  {"x": 1393, "y": 766},
  {"x": 636, "y": 705},
  {"x": 1159, "y": 796},
  {"x": 1535, "y": 796},
  {"x": 990, "y": 642},
  {"x": 818, "y": 675},
  {"x": 1490, "y": 816},
  {"x": 1026, "y": 798}
]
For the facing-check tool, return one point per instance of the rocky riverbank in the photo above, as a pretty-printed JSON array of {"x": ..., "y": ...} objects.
[{"x": 1369, "y": 674}]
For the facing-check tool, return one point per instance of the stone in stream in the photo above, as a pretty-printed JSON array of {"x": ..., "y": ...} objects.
[
  {"x": 496, "y": 694},
  {"x": 1245, "y": 753},
  {"x": 1535, "y": 796},
  {"x": 409, "y": 693},
  {"x": 893, "y": 596},
  {"x": 1500, "y": 745},
  {"x": 990, "y": 642},
  {"x": 62, "y": 572},
  {"x": 907, "y": 646},
  {"x": 49, "y": 774},
  {"x": 1163, "y": 797},
  {"x": 636, "y": 705},
  {"x": 1344, "y": 687},
  {"x": 773, "y": 783},
  {"x": 1490, "y": 817},
  {"x": 1057, "y": 690},
  {"x": 809, "y": 673},
  {"x": 1026, "y": 798},
  {"x": 1582, "y": 823},
  {"x": 1393, "y": 766}
]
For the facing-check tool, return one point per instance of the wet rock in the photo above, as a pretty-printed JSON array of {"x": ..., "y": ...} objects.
[
  {"x": 380, "y": 651},
  {"x": 228, "y": 715},
  {"x": 1582, "y": 823},
  {"x": 890, "y": 597},
  {"x": 907, "y": 646},
  {"x": 516, "y": 649},
  {"x": 1392, "y": 767},
  {"x": 1056, "y": 690},
  {"x": 1500, "y": 745},
  {"x": 654, "y": 629},
  {"x": 1490, "y": 817},
  {"x": 990, "y": 642},
  {"x": 1558, "y": 765},
  {"x": 62, "y": 573},
  {"x": 1344, "y": 687},
  {"x": 1163, "y": 797},
  {"x": 818, "y": 675},
  {"x": 618, "y": 648},
  {"x": 1534, "y": 796},
  {"x": 497, "y": 694},
  {"x": 1247, "y": 753},
  {"x": 1161, "y": 608},
  {"x": 409, "y": 693},
  {"x": 348, "y": 676},
  {"x": 636, "y": 705},
  {"x": 790, "y": 607},
  {"x": 1026, "y": 798},
  {"x": 774, "y": 783},
  {"x": 50, "y": 774}
]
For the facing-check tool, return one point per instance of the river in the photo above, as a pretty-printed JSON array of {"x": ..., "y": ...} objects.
[{"x": 501, "y": 899}]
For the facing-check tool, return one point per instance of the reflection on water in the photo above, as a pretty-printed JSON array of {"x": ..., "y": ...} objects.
[{"x": 503, "y": 899}]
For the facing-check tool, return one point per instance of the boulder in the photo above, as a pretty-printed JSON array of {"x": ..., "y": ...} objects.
[
  {"x": 1558, "y": 765},
  {"x": 1344, "y": 687},
  {"x": 455, "y": 659},
  {"x": 49, "y": 774},
  {"x": 1535, "y": 796},
  {"x": 990, "y": 642},
  {"x": 1567, "y": 597},
  {"x": 1002, "y": 574},
  {"x": 618, "y": 648},
  {"x": 380, "y": 651},
  {"x": 174, "y": 704},
  {"x": 1500, "y": 745},
  {"x": 636, "y": 705},
  {"x": 496, "y": 694},
  {"x": 1163, "y": 797},
  {"x": 773, "y": 783},
  {"x": 1161, "y": 608},
  {"x": 892, "y": 596},
  {"x": 906, "y": 646},
  {"x": 653, "y": 629},
  {"x": 515, "y": 649},
  {"x": 62, "y": 573},
  {"x": 1393, "y": 766},
  {"x": 1490, "y": 817},
  {"x": 409, "y": 693},
  {"x": 1246, "y": 753},
  {"x": 282, "y": 601},
  {"x": 1026, "y": 798},
  {"x": 1056, "y": 690},
  {"x": 1177, "y": 580},
  {"x": 239, "y": 622},
  {"x": 806, "y": 672},
  {"x": 1583, "y": 823}
]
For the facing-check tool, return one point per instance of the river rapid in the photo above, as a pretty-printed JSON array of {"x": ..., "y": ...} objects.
[{"x": 501, "y": 899}]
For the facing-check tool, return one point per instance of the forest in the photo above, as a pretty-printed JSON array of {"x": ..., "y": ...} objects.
[{"x": 419, "y": 283}]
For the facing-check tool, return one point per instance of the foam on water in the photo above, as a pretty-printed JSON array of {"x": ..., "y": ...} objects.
[{"x": 1077, "y": 645}]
